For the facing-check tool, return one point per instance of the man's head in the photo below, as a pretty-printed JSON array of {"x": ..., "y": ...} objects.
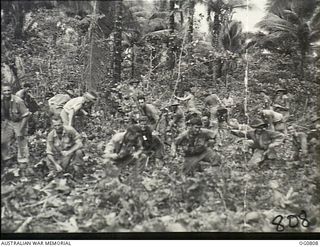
[
  {"x": 27, "y": 86},
  {"x": 205, "y": 121},
  {"x": 281, "y": 91},
  {"x": 132, "y": 133},
  {"x": 90, "y": 96},
  {"x": 141, "y": 100},
  {"x": 57, "y": 124},
  {"x": 263, "y": 92},
  {"x": 194, "y": 124},
  {"x": 174, "y": 105},
  {"x": 134, "y": 82},
  {"x": 70, "y": 92},
  {"x": 259, "y": 125},
  {"x": 6, "y": 90}
]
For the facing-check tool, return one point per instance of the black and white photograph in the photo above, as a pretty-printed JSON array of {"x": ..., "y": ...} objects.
[{"x": 160, "y": 116}]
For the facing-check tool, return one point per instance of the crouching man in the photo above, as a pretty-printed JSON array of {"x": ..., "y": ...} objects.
[
  {"x": 64, "y": 148},
  {"x": 197, "y": 144},
  {"x": 264, "y": 142},
  {"x": 124, "y": 148}
]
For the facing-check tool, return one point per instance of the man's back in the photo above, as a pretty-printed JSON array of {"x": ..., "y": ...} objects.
[{"x": 59, "y": 100}]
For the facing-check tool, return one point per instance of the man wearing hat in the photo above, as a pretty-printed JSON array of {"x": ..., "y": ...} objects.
[
  {"x": 176, "y": 118},
  {"x": 196, "y": 143},
  {"x": 281, "y": 103},
  {"x": 75, "y": 105},
  {"x": 57, "y": 102},
  {"x": 263, "y": 141}
]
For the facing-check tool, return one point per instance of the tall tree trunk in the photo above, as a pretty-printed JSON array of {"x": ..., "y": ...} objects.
[
  {"x": 117, "y": 42},
  {"x": 171, "y": 58},
  {"x": 191, "y": 5},
  {"x": 216, "y": 29},
  {"x": 133, "y": 58},
  {"x": 181, "y": 12},
  {"x": 90, "y": 83},
  {"x": 18, "y": 19}
]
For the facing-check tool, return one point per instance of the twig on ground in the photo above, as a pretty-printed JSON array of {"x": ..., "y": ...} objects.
[{"x": 24, "y": 225}]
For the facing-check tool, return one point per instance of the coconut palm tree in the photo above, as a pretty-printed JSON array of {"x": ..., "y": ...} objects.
[
  {"x": 220, "y": 12},
  {"x": 296, "y": 26}
]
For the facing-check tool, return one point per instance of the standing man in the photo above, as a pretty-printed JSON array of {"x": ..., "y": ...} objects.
[
  {"x": 14, "y": 119},
  {"x": 29, "y": 101},
  {"x": 197, "y": 145},
  {"x": 63, "y": 148},
  {"x": 228, "y": 103},
  {"x": 31, "y": 104},
  {"x": 73, "y": 106}
]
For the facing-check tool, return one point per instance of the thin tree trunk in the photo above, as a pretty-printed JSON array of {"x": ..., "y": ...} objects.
[
  {"x": 133, "y": 61},
  {"x": 90, "y": 82},
  {"x": 117, "y": 42},
  {"x": 181, "y": 12},
  {"x": 190, "y": 20},
  {"x": 19, "y": 20},
  {"x": 171, "y": 58}
]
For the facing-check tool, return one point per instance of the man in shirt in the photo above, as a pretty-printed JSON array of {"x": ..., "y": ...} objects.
[
  {"x": 266, "y": 101},
  {"x": 57, "y": 102},
  {"x": 148, "y": 110},
  {"x": 14, "y": 119},
  {"x": 189, "y": 98},
  {"x": 73, "y": 106},
  {"x": 124, "y": 148},
  {"x": 264, "y": 142},
  {"x": 197, "y": 145},
  {"x": 281, "y": 103},
  {"x": 64, "y": 148},
  {"x": 29, "y": 101},
  {"x": 228, "y": 103},
  {"x": 212, "y": 103},
  {"x": 274, "y": 119},
  {"x": 173, "y": 121},
  {"x": 31, "y": 104}
]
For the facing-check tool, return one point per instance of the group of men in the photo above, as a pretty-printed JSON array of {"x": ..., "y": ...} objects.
[
  {"x": 64, "y": 144},
  {"x": 149, "y": 131}
]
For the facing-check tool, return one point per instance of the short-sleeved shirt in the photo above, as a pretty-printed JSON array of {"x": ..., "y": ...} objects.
[
  {"x": 275, "y": 117},
  {"x": 195, "y": 144},
  {"x": 69, "y": 138},
  {"x": 212, "y": 100},
  {"x": 151, "y": 112},
  {"x": 264, "y": 139},
  {"x": 13, "y": 109},
  {"x": 59, "y": 100},
  {"x": 74, "y": 104},
  {"x": 228, "y": 102}
]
